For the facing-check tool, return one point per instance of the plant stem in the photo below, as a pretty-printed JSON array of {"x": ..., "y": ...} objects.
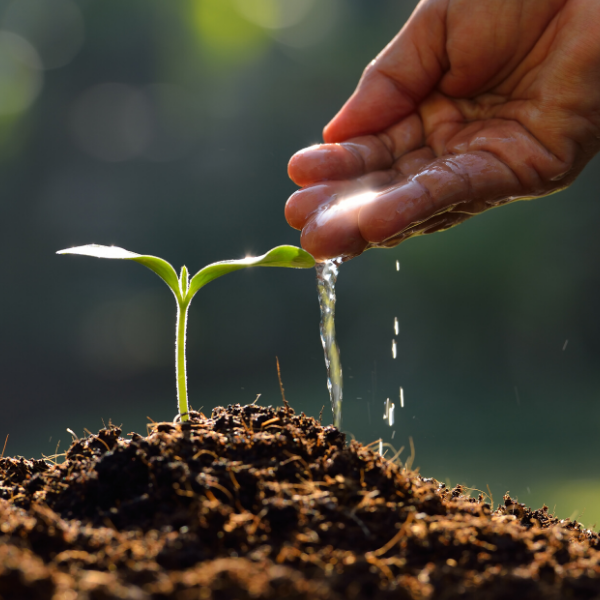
[{"x": 180, "y": 369}]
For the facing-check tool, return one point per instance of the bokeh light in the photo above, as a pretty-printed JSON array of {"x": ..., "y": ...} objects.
[
  {"x": 309, "y": 32},
  {"x": 20, "y": 76},
  {"x": 55, "y": 28},
  {"x": 226, "y": 35},
  {"x": 274, "y": 14}
]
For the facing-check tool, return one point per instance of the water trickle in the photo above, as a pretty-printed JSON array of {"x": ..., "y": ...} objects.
[{"x": 327, "y": 272}]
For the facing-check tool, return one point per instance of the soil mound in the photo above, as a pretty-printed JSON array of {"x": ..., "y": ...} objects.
[{"x": 261, "y": 503}]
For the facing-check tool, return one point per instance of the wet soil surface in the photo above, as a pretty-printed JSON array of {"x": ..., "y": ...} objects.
[{"x": 262, "y": 503}]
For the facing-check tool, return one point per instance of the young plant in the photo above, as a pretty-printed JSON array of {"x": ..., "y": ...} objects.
[{"x": 184, "y": 288}]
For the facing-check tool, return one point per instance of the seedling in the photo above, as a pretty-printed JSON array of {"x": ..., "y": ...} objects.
[{"x": 184, "y": 288}]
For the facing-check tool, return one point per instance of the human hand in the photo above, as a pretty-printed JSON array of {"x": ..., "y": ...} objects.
[{"x": 471, "y": 106}]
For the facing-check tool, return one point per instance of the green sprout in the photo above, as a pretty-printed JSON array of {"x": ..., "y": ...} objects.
[{"x": 184, "y": 288}]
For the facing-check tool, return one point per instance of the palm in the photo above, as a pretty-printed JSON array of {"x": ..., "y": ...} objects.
[{"x": 443, "y": 131}]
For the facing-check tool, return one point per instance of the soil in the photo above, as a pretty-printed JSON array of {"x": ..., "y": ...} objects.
[{"x": 262, "y": 503}]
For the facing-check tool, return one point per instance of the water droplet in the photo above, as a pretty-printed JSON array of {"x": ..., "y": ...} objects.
[
  {"x": 397, "y": 265},
  {"x": 388, "y": 411},
  {"x": 393, "y": 348},
  {"x": 401, "y": 397},
  {"x": 396, "y": 326}
]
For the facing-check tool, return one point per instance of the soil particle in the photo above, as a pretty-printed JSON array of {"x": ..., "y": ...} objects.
[{"x": 261, "y": 503}]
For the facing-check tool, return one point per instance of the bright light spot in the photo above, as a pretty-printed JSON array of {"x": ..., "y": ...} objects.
[
  {"x": 55, "y": 28},
  {"x": 100, "y": 251},
  {"x": 356, "y": 200},
  {"x": 343, "y": 205},
  {"x": 394, "y": 351},
  {"x": 401, "y": 397},
  {"x": 380, "y": 446},
  {"x": 312, "y": 29},
  {"x": 396, "y": 326},
  {"x": 20, "y": 75},
  {"x": 397, "y": 265}
]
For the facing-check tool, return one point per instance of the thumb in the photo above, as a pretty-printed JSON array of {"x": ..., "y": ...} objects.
[{"x": 405, "y": 72}]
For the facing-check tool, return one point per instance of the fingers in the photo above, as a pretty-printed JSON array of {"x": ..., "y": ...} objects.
[
  {"x": 334, "y": 231},
  {"x": 345, "y": 225},
  {"x": 404, "y": 73},
  {"x": 339, "y": 161},
  {"x": 486, "y": 41},
  {"x": 413, "y": 162},
  {"x": 302, "y": 204},
  {"x": 536, "y": 168},
  {"x": 443, "y": 184},
  {"x": 358, "y": 156}
]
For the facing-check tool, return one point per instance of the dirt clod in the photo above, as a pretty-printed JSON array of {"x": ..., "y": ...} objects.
[{"x": 261, "y": 503}]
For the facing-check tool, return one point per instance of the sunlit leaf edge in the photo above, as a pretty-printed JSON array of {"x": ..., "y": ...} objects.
[
  {"x": 161, "y": 267},
  {"x": 290, "y": 257}
]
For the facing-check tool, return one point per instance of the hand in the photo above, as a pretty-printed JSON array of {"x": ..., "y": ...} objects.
[{"x": 471, "y": 106}]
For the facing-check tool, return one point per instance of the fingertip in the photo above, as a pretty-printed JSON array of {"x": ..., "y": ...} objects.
[
  {"x": 305, "y": 167},
  {"x": 324, "y": 162},
  {"x": 296, "y": 213},
  {"x": 296, "y": 169},
  {"x": 343, "y": 128},
  {"x": 333, "y": 231},
  {"x": 331, "y": 135},
  {"x": 302, "y": 204},
  {"x": 376, "y": 105},
  {"x": 325, "y": 244},
  {"x": 291, "y": 213}
]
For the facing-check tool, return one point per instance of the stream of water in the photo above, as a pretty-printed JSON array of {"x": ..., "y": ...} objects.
[{"x": 327, "y": 273}]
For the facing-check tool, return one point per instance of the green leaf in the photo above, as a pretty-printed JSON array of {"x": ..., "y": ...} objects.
[
  {"x": 281, "y": 256},
  {"x": 161, "y": 267}
]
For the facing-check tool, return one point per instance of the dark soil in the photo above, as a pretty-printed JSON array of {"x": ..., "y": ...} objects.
[{"x": 261, "y": 503}]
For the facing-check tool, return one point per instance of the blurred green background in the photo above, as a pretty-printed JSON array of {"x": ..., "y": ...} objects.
[{"x": 165, "y": 128}]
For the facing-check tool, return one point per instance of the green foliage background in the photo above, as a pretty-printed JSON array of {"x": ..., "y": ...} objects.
[{"x": 181, "y": 152}]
